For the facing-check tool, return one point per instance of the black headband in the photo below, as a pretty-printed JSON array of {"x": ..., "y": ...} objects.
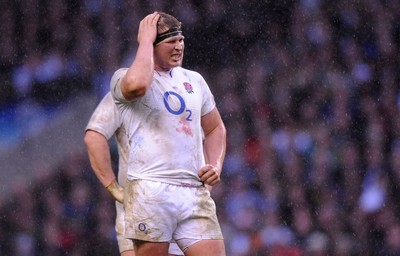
[{"x": 169, "y": 33}]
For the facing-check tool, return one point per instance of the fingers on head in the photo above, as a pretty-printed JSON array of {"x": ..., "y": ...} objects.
[{"x": 154, "y": 17}]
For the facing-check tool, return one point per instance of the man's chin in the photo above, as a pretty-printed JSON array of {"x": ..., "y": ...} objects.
[{"x": 176, "y": 64}]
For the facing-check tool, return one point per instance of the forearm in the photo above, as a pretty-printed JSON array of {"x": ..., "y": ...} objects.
[
  {"x": 215, "y": 147},
  {"x": 99, "y": 156},
  {"x": 214, "y": 154}
]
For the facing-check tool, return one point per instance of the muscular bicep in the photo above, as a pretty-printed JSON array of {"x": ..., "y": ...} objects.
[
  {"x": 211, "y": 121},
  {"x": 214, "y": 139}
]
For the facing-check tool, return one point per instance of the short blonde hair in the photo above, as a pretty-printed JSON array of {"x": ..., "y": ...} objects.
[{"x": 167, "y": 22}]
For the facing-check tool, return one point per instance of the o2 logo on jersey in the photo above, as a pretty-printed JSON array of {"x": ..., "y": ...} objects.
[{"x": 167, "y": 96}]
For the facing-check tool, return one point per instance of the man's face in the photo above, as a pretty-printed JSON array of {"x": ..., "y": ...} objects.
[{"x": 169, "y": 53}]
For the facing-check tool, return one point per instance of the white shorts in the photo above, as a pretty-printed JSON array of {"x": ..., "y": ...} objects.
[
  {"x": 125, "y": 244},
  {"x": 159, "y": 212}
]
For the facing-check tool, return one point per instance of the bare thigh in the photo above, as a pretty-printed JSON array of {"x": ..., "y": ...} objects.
[
  {"x": 128, "y": 253},
  {"x": 151, "y": 249},
  {"x": 132, "y": 253},
  {"x": 207, "y": 248}
]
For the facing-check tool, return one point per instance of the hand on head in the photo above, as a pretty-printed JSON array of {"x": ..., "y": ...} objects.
[{"x": 148, "y": 28}]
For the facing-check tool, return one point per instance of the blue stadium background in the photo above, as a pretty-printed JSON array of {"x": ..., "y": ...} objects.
[{"x": 308, "y": 90}]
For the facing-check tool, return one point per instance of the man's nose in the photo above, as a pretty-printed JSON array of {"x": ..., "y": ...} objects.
[{"x": 178, "y": 45}]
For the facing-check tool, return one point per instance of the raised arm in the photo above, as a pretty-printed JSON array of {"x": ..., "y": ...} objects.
[{"x": 140, "y": 74}]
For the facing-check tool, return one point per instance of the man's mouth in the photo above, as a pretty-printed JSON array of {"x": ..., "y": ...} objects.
[{"x": 176, "y": 57}]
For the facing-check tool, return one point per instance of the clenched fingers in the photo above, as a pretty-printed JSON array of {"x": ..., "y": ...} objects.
[{"x": 209, "y": 175}]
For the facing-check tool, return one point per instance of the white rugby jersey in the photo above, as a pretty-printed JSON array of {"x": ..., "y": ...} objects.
[
  {"x": 164, "y": 126},
  {"x": 106, "y": 120}
]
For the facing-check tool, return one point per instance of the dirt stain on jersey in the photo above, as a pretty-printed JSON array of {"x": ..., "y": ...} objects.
[{"x": 185, "y": 128}]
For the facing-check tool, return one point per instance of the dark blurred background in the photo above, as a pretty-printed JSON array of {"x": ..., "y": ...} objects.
[{"x": 308, "y": 90}]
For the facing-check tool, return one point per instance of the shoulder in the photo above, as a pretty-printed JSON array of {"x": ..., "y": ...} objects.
[
  {"x": 107, "y": 101},
  {"x": 106, "y": 117},
  {"x": 107, "y": 107},
  {"x": 187, "y": 71},
  {"x": 115, "y": 84}
]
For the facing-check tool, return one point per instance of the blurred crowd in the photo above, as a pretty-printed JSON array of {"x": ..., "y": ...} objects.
[{"x": 308, "y": 90}]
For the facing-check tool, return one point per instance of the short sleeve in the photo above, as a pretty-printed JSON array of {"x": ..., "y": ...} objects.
[
  {"x": 115, "y": 85},
  {"x": 106, "y": 118},
  {"x": 208, "y": 103}
]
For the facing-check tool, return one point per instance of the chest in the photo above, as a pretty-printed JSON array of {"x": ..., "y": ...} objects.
[{"x": 179, "y": 97}]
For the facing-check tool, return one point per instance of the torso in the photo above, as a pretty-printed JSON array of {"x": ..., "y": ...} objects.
[{"x": 164, "y": 128}]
